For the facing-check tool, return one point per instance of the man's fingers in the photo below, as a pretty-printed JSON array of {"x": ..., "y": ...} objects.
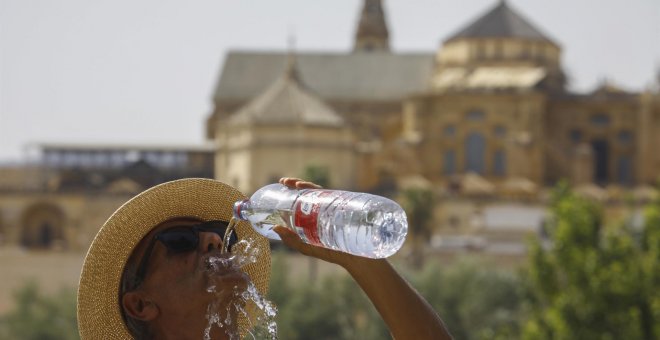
[
  {"x": 298, "y": 183},
  {"x": 289, "y": 181},
  {"x": 307, "y": 185},
  {"x": 288, "y": 236},
  {"x": 293, "y": 241}
]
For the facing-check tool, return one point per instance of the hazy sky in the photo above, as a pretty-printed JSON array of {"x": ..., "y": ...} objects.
[{"x": 121, "y": 71}]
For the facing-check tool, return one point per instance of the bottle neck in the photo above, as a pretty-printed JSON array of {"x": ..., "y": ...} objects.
[{"x": 240, "y": 207}]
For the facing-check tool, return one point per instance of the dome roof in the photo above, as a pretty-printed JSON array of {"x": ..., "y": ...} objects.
[{"x": 501, "y": 22}]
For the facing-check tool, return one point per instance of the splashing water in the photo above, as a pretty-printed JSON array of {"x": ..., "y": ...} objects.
[{"x": 230, "y": 301}]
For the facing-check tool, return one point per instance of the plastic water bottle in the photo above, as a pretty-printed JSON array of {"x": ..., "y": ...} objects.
[{"x": 356, "y": 223}]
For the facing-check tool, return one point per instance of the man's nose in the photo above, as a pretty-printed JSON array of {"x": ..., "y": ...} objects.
[{"x": 209, "y": 241}]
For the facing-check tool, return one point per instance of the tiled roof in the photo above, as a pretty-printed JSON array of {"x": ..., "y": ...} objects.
[
  {"x": 287, "y": 101},
  {"x": 361, "y": 76}
]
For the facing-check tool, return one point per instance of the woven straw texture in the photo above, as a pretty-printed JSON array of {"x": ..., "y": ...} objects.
[{"x": 99, "y": 313}]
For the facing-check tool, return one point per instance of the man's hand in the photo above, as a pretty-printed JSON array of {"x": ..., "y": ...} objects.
[{"x": 407, "y": 314}]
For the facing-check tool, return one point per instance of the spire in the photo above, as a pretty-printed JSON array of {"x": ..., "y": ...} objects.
[
  {"x": 372, "y": 33},
  {"x": 291, "y": 71}
]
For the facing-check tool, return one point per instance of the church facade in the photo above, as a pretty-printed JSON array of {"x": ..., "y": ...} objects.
[{"x": 491, "y": 102}]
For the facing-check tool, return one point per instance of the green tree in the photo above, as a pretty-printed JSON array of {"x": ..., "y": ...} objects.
[
  {"x": 334, "y": 309},
  {"x": 280, "y": 289},
  {"x": 39, "y": 317},
  {"x": 594, "y": 281},
  {"x": 474, "y": 300}
]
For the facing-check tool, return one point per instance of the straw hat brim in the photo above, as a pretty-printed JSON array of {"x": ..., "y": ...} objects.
[{"x": 99, "y": 311}]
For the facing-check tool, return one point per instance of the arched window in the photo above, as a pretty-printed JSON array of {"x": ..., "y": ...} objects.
[
  {"x": 575, "y": 135},
  {"x": 499, "y": 163},
  {"x": 45, "y": 235},
  {"x": 600, "y": 120},
  {"x": 625, "y": 137},
  {"x": 449, "y": 131},
  {"x": 475, "y": 149},
  {"x": 43, "y": 227},
  {"x": 624, "y": 170},
  {"x": 475, "y": 115},
  {"x": 500, "y": 131},
  {"x": 449, "y": 162},
  {"x": 601, "y": 159}
]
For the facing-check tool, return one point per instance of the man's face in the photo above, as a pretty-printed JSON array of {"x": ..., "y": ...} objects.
[{"x": 173, "y": 297}]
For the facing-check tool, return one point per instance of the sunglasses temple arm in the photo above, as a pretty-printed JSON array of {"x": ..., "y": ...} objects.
[{"x": 227, "y": 236}]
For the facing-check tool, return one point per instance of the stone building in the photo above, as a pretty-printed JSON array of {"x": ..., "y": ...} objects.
[
  {"x": 52, "y": 207},
  {"x": 60, "y": 201},
  {"x": 486, "y": 121},
  {"x": 491, "y": 101},
  {"x": 280, "y": 132}
]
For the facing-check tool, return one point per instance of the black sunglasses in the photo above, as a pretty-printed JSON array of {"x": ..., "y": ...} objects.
[{"x": 182, "y": 239}]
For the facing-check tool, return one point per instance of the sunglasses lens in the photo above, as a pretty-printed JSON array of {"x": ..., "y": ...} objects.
[
  {"x": 220, "y": 230},
  {"x": 179, "y": 240},
  {"x": 183, "y": 239}
]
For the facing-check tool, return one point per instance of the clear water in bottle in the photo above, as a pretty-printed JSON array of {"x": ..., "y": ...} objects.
[{"x": 357, "y": 223}]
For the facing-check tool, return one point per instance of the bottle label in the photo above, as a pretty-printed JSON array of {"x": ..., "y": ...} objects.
[{"x": 306, "y": 215}]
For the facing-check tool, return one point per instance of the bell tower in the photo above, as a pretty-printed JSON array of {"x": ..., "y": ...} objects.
[{"x": 372, "y": 33}]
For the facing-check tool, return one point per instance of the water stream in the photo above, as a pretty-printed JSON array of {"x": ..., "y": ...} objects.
[{"x": 232, "y": 295}]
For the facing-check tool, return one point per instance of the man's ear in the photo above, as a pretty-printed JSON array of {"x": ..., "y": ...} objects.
[{"x": 138, "y": 307}]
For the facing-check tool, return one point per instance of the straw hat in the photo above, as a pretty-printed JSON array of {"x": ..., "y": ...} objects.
[{"x": 99, "y": 311}]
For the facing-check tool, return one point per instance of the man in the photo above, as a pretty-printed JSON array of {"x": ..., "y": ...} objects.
[{"x": 144, "y": 275}]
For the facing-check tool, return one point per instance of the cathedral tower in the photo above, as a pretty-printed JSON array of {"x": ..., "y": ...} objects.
[{"x": 372, "y": 33}]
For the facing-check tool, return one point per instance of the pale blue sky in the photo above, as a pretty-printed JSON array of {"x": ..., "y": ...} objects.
[{"x": 143, "y": 71}]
